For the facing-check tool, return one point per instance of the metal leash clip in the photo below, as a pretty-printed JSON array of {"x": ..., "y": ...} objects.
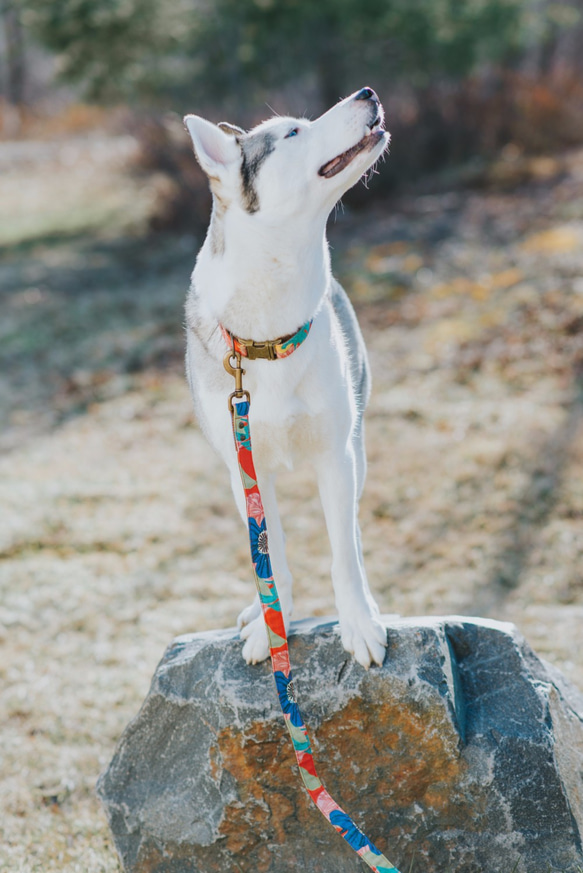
[{"x": 237, "y": 372}]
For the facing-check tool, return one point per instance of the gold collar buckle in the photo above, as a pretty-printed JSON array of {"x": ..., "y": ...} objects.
[{"x": 261, "y": 350}]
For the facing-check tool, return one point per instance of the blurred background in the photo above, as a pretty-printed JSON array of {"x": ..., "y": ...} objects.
[
  {"x": 462, "y": 80},
  {"x": 463, "y": 257}
]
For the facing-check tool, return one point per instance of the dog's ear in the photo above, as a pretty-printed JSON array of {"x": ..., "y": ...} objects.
[{"x": 215, "y": 150}]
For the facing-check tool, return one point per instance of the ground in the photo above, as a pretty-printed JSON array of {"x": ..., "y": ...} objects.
[{"x": 119, "y": 531}]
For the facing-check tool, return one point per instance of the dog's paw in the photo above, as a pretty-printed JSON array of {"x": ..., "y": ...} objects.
[
  {"x": 364, "y": 636},
  {"x": 249, "y": 614},
  {"x": 256, "y": 648}
]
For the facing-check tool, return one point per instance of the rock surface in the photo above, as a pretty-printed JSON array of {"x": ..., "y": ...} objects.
[{"x": 464, "y": 753}]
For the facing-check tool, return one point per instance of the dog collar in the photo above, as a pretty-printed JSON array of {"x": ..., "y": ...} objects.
[{"x": 270, "y": 350}]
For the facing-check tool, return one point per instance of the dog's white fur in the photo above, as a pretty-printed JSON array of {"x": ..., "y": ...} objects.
[{"x": 263, "y": 271}]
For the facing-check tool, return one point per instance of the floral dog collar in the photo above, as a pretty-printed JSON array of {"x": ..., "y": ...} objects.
[{"x": 269, "y": 350}]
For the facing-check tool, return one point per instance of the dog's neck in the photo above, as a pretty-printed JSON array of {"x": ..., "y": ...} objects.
[{"x": 262, "y": 279}]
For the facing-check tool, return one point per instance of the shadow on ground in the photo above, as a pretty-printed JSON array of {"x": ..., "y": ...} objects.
[
  {"x": 81, "y": 317},
  {"x": 535, "y": 505}
]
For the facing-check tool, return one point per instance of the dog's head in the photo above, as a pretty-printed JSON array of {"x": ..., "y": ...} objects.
[{"x": 291, "y": 166}]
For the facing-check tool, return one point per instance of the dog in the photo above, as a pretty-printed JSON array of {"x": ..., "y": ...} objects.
[{"x": 262, "y": 273}]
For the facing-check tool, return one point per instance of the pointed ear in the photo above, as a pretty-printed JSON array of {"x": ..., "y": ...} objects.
[{"x": 215, "y": 150}]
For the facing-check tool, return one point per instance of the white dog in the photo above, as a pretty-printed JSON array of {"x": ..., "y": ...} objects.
[{"x": 262, "y": 273}]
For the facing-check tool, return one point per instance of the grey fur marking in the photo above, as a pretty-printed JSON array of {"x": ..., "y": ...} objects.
[
  {"x": 256, "y": 148},
  {"x": 359, "y": 368}
]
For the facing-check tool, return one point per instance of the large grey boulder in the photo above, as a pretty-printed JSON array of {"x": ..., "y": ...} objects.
[{"x": 464, "y": 753}]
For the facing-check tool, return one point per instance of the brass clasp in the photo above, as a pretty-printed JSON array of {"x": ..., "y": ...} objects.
[
  {"x": 264, "y": 350},
  {"x": 238, "y": 372}
]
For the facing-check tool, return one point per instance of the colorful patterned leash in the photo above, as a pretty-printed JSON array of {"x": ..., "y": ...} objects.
[{"x": 239, "y": 403}]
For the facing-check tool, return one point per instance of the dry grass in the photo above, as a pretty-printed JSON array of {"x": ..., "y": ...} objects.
[{"x": 119, "y": 531}]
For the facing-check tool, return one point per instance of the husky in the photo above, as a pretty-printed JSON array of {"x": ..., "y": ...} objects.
[{"x": 262, "y": 273}]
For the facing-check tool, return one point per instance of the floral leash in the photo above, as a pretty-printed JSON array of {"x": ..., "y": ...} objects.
[{"x": 239, "y": 403}]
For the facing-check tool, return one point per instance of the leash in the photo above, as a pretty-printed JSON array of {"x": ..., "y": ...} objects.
[{"x": 239, "y": 403}]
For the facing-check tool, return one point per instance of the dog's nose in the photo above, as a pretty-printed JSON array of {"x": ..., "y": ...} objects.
[{"x": 366, "y": 94}]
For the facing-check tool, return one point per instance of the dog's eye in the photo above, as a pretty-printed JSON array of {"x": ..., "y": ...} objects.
[{"x": 293, "y": 132}]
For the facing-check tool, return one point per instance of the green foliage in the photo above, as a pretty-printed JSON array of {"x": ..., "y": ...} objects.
[
  {"x": 115, "y": 47},
  {"x": 335, "y": 40},
  {"x": 144, "y": 49}
]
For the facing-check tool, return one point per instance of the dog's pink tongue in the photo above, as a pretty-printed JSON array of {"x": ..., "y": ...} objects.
[{"x": 340, "y": 161}]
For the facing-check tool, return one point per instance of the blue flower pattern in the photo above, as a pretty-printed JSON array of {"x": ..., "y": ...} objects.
[
  {"x": 259, "y": 550},
  {"x": 287, "y": 697}
]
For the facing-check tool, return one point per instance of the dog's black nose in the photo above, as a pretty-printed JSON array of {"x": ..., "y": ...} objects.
[{"x": 366, "y": 94}]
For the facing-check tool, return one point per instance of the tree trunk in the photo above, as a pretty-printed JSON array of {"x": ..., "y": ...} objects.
[{"x": 15, "y": 61}]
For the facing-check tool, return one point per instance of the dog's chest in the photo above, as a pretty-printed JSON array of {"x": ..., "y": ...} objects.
[
  {"x": 285, "y": 420},
  {"x": 281, "y": 441}
]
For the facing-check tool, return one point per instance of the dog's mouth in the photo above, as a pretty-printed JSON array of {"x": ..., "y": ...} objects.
[{"x": 368, "y": 142}]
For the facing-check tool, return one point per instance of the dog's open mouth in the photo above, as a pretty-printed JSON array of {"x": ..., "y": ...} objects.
[{"x": 337, "y": 164}]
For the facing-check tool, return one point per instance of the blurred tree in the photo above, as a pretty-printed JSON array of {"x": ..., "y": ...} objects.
[
  {"x": 339, "y": 41},
  {"x": 460, "y": 77},
  {"x": 14, "y": 59},
  {"x": 113, "y": 47},
  {"x": 232, "y": 49}
]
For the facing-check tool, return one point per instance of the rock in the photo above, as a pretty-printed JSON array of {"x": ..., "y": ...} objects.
[{"x": 464, "y": 753}]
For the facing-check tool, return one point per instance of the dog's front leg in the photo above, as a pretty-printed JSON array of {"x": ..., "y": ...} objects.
[
  {"x": 250, "y": 621},
  {"x": 361, "y": 631}
]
